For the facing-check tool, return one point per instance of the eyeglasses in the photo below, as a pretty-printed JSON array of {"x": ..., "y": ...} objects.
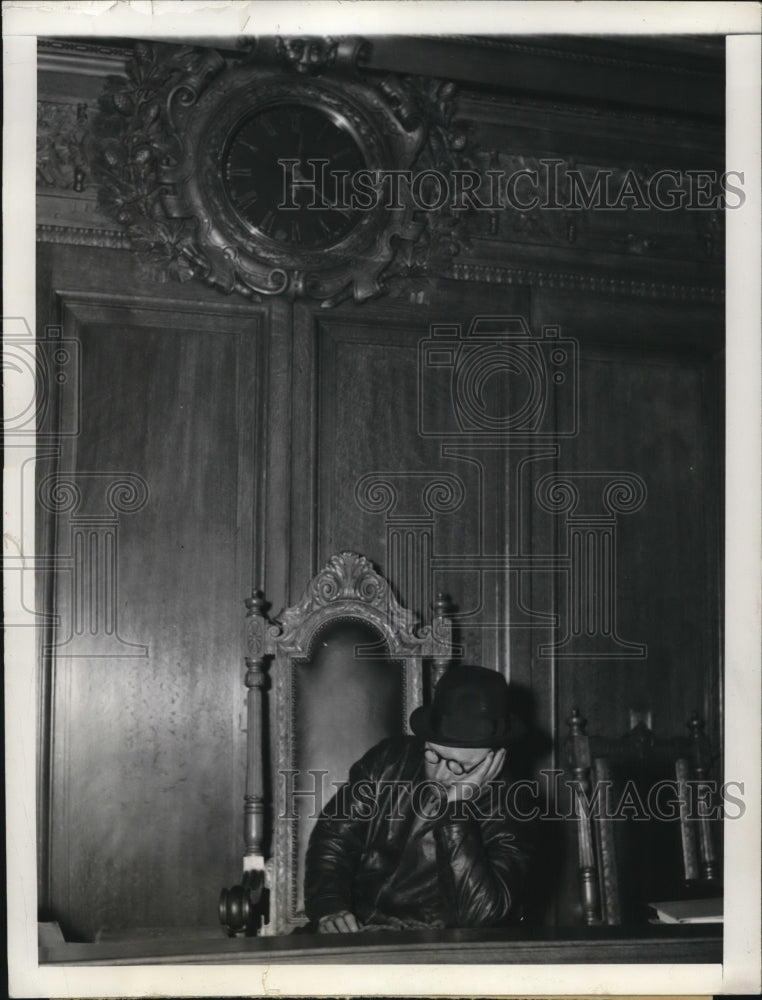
[{"x": 454, "y": 766}]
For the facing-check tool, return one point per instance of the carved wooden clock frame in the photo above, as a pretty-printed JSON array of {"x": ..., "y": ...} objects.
[
  {"x": 162, "y": 165},
  {"x": 262, "y": 263}
]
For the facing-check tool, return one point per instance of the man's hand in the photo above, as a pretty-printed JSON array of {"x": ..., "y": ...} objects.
[
  {"x": 343, "y": 922},
  {"x": 467, "y": 786}
]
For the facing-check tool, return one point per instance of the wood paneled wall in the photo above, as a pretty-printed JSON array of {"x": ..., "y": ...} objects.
[
  {"x": 253, "y": 430},
  {"x": 145, "y": 775},
  {"x": 651, "y": 404},
  {"x": 268, "y": 437},
  {"x": 385, "y": 483}
]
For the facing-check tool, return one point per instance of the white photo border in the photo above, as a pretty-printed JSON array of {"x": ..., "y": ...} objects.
[{"x": 740, "y": 971}]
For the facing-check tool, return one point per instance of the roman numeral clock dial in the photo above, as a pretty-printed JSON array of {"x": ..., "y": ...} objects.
[
  {"x": 284, "y": 176},
  {"x": 286, "y": 173}
]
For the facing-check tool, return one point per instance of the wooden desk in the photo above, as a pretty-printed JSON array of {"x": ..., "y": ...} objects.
[{"x": 652, "y": 944}]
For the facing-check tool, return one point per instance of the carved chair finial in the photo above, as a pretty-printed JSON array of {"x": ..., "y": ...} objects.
[
  {"x": 696, "y": 725},
  {"x": 256, "y": 604},
  {"x": 699, "y": 744},
  {"x": 441, "y": 605},
  {"x": 576, "y": 722},
  {"x": 576, "y": 744}
]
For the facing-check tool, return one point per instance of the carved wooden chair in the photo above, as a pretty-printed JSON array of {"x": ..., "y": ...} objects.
[
  {"x": 643, "y": 835},
  {"x": 347, "y": 668}
]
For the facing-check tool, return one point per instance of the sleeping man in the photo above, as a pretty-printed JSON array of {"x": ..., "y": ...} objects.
[{"x": 419, "y": 836}]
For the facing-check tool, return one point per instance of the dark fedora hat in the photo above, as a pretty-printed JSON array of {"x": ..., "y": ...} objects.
[{"x": 470, "y": 708}]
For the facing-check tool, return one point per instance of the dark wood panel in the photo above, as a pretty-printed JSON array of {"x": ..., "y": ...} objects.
[
  {"x": 647, "y": 420},
  {"x": 580, "y": 70},
  {"x": 147, "y": 771},
  {"x": 108, "y": 272},
  {"x": 369, "y": 424},
  {"x": 385, "y": 426},
  {"x": 650, "y": 395},
  {"x": 654, "y": 412}
]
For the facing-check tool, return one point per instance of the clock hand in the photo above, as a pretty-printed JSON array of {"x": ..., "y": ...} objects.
[
  {"x": 334, "y": 205},
  {"x": 316, "y": 186}
]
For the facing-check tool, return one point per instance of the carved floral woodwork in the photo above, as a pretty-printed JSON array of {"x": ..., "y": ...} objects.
[
  {"x": 159, "y": 141},
  {"x": 136, "y": 143},
  {"x": 618, "y": 220},
  {"x": 63, "y": 141},
  {"x": 347, "y": 577}
]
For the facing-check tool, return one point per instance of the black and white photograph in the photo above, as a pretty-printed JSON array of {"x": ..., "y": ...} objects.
[{"x": 382, "y": 498}]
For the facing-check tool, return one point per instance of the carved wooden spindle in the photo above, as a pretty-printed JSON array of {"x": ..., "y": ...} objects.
[
  {"x": 441, "y": 632},
  {"x": 701, "y": 755},
  {"x": 608, "y": 884},
  {"x": 691, "y": 870},
  {"x": 578, "y": 755},
  {"x": 242, "y": 907},
  {"x": 254, "y": 801}
]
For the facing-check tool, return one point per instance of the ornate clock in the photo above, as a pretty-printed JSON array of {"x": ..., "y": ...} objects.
[
  {"x": 268, "y": 166},
  {"x": 286, "y": 172},
  {"x": 255, "y": 177}
]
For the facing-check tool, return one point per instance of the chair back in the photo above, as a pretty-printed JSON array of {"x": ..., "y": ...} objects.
[
  {"x": 642, "y": 808},
  {"x": 346, "y": 667}
]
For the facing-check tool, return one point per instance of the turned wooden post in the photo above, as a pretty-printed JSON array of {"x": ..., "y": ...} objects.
[
  {"x": 701, "y": 762},
  {"x": 691, "y": 871},
  {"x": 254, "y": 801},
  {"x": 441, "y": 630},
  {"x": 608, "y": 881},
  {"x": 578, "y": 755},
  {"x": 243, "y": 907}
]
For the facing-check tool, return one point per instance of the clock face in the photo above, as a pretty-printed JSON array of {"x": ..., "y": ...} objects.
[{"x": 286, "y": 173}]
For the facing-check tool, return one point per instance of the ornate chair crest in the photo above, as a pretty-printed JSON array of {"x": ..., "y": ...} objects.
[{"x": 347, "y": 668}]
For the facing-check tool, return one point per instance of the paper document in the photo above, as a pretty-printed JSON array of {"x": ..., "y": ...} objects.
[{"x": 690, "y": 911}]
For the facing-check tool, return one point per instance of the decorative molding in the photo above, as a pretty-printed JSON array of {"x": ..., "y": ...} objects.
[
  {"x": 503, "y": 274},
  {"x": 63, "y": 55},
  {"x": 113, "y": 239},
  {"x": 503, "y": 44},
  {"x": 472, "y": 270},
  {"x": 71, "y": 47},
  {"x": 603, "y": 223},
  {"x": 150, "y": 154},
  {"x": 473, "y": 105},
  {"x": 93, "y": 50}
]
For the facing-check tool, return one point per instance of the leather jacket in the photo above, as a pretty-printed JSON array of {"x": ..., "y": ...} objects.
[{"x": 370, "y": 851}]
